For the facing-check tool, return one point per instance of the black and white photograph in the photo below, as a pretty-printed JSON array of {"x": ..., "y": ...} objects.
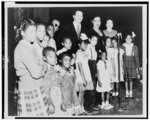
[{"x": 75, "y": 60}]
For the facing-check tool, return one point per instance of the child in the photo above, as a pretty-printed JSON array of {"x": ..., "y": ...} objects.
[
  {"x": 52, "y": 82},
  {"x": 30, "y": 87},
  {"x": 67, "y": 44},
  {"x": 69, "y": 96},
  {"x": 92, "y": 53},
  {"x": 109, "y": 32},
  {"x": 131, "y": 63},
  {"x": 51, "y": 42},
  {"x": 115, "y": 57},
  {"x": 83, "y": 75},
  {"x": 104, "y": 80}
]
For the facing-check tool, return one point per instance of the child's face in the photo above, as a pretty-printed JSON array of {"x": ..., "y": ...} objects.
[
  {"x": 103, "y": 56},
  {"x": 66, "y": 61},
  {"x": 67, "y": 44},
  {"x": 93, "y": 41},
  {"x": 83, "y": 46},
  {"x": 109, "y": 24},
  {"x": 29, "y": 34},
  {"x": 96, "y": 22},
  {"x": 41, "y": 32},
  {"x": 108, "y": 42},
  {"x": 114, "y": 43},
  {"x": 128, "y": 39},
  {"x": 50, "y": 31},
  {"x": 51, "y": 58}
]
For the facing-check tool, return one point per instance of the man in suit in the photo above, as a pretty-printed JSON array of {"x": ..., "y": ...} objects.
[{"x": 73, "y": 30}]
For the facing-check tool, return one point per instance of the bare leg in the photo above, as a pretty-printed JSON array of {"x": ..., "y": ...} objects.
[
  {"x": 107, "y": 96},
  {"x": 131, "y": 87},
  {"x": 117, "y": 88},
  {"x": 113, "y": 89},
  {"x": 126, "y": 87},
  {"x": 103, "y": 99}
]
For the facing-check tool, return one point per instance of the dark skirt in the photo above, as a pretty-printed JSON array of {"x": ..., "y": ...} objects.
[
  {"x": 33, "y": 102},
  {"x": 93, "y": 70},
  {"x": 129, "y": 67}
]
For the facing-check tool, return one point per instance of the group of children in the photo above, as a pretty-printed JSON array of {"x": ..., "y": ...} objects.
[
  {"x": 88, "y": 68},
  {"x": 69, "y": 75}
]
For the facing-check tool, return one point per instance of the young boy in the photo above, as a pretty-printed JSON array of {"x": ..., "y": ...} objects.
[{"x": 52, "y": 82}]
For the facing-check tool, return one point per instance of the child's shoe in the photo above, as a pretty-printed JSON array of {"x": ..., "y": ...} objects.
[
  {"x": 103, "y": 105},
  {"x": 108, "y": 105},
  {"x": 130, "y": 94},
  {"x": 113, "y": 94},
  {"x": 127, "y": 94},
  {"x": 117, "y": 94}
]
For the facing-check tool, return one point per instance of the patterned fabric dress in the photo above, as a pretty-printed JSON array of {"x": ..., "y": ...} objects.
[
  {"x": 53, "y": 90},
  {"x": 69, "y": 95},
  {"x": 131, "y": 62}
]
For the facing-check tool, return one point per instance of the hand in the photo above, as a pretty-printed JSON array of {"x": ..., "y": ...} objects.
[
  {"x": 84, "y": 83},
  {"x": 138, "y": 76},
  {"x": 52, "y": 109}
]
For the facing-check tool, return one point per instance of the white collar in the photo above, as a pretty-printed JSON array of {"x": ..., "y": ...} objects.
[{"x": 75, "y": 24}]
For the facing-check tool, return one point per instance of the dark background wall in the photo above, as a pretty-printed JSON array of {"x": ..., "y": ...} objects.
[{"x": 125, "y": 18}]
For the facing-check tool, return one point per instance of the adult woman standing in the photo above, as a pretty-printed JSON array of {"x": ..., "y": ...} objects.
[
  {"x": 110, "y": 32},
  {"x": 32, "y": 100}
]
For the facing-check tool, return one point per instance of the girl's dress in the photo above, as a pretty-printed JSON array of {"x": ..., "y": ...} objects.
[
  {"x": 32, "y": 98},
  {"x": 92, "y": 54},
  {"x": 69, "y": 95},
  {"x": 115, "y": 65},
  {"x": 131, "y": 60},
  {"x": 104, "y": 76},
  {"x": 82, "y": 57},
  {"x": 110, "y": 58},
  {"x": 52, "y": 84}
]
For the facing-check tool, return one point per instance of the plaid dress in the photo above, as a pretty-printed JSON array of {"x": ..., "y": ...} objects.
[
  {"x": 33, "y": 102},
  {"x": 131, "y": 63}
]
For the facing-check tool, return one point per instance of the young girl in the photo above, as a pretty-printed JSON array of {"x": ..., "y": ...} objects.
[
  {"x": 104, "y": 80},
  {"x": 69, "y": 97},
  {"x": 32, "y": 96},
  {"x": 109, "y": 32},
  {"x": 131, "y": 63},
  {"x": 51, "y": 42},
  {"x": 116, "y": 70},
  {"x": 92, "y": 53},
  {"x": 83, "y": 75},
  {"x": 52, "y": 82}
]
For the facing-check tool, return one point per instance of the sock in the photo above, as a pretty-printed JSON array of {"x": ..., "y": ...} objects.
[{"x": 107, "y": 102}]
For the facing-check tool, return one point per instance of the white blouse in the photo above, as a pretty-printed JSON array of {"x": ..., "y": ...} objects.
[{"x": 128, "y": 48}]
